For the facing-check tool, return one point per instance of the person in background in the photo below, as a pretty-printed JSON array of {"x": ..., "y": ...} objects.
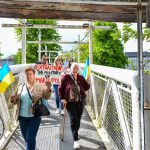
[
  {"x": 45, "y": 60},
  {"x": 66, "y": 63},
  {"x": 70, "y": 62},
  {"x": 59, "y": 106},
  {"x": 29, "y": 124},
  {"x": 72, "y": 93}
]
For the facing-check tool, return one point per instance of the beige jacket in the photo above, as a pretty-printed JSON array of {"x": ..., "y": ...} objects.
[{"x": 39, "y": 91}]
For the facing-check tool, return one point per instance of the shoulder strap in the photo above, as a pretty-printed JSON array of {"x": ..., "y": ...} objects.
[
  {"x": 73, "y": 79},
  {"x": 76, "y": 84},
  {"x": 29, "y": 93}
]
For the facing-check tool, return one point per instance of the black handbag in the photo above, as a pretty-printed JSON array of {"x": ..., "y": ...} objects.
[{"x": 39, "y": 109}]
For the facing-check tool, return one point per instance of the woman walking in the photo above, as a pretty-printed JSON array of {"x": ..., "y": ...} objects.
[
  {"x": 59, "y": 106},
  {"x": 72, "y": 94},
  {"x": 26, "y": 96}
]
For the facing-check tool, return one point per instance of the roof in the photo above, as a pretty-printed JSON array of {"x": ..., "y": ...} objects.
[
  {"x": 9, "y": 57},
  {"x": 114, "y": 10},
  {"x": 135, "y": 54}
]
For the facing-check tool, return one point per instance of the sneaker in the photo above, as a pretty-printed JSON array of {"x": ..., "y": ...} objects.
[
  {"x": 62, "y": 112},
  {"x": 57, "y": 111},
  {"x": 76, "y": 145}
]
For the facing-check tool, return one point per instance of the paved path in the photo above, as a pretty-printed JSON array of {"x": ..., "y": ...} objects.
[{"x": 48, "y": 137}]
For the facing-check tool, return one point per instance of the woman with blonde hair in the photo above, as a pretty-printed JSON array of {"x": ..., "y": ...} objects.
[
  {"x": 26, "y": 97},
  {"x": 59, "y": 106}
]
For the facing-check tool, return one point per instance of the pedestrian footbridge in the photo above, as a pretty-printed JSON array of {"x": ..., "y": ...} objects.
[{"x": 111, "y": 119}]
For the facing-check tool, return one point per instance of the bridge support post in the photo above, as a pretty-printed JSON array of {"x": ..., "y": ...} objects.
[
  {"x": 79, "y": 48},
  {"x": 141, "y": 80},
  {"x": 24, "y": 42},
  {"x": 39, "y": 46},
  {"x": 90, "y": 43}
]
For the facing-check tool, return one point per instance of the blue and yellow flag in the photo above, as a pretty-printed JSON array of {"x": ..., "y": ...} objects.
[
  {"x": 6, "y": 78},
  {"x": 87, "y": 70}
]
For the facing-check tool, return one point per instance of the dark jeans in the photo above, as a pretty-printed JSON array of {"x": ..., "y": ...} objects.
[
  {"x": 75, "y": 112},
  {"x": 29, "y": 127},
  {"x": 57, "y": 98}
]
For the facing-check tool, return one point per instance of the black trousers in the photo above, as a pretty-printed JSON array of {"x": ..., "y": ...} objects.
[{"x": 75, "y": 111}]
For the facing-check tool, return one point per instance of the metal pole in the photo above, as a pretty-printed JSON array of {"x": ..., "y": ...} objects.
[
  {"x": 49, "y": 57},
  {"x": 90, "y": 44},
  {"x": 45, "y": 49},
  {"x": 140, "y": 71},
  {"x": 78, "y": 48},
  {"x": 24, "y": 42},
  {"x": 39, "y": 46},
  {"x": 73, "y": 54}
]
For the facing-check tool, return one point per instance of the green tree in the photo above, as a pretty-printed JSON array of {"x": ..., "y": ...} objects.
[
  {"x": 32, "y": 35},
  {"x": 1, "y": 55},
  {"x": 18, "y": 57},
  {"x": 129, "y": 33},
  {"x": 108, "y": 49}
]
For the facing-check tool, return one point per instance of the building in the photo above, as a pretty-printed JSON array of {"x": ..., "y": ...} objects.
[
  {"x": 133, "y": 60},
  {"x": 9, "y": 60}
]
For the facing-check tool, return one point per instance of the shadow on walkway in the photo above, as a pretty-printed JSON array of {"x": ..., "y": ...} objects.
[{"x": 48, "y": 137}]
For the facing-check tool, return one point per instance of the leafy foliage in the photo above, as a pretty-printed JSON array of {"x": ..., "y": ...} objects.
[
  {"x": 108, "y": 49},
  {"x": 129, "y": 33},
  {"x": 18, "y": 57},
  {"x": 1, "y": 55},
  {"x": 32, "y": 35}
]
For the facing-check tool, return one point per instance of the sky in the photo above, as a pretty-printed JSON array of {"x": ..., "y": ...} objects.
[{"x": 9, "y": 44}]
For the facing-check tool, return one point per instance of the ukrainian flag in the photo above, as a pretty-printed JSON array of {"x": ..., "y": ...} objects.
[
  {"x": 6, "y": 78},
  {"x": 87, "y": 70}
]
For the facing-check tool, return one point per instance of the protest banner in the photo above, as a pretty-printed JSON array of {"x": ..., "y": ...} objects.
[{"x": 46, "y": 73}]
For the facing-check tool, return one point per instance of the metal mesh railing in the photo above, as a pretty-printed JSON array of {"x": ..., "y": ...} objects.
[
  {"x": 111, "y": 120},
  {"x": 112, "y": 125},
  {"x": 8, "y": 94},
  {"x": 9, "y": 124},
  {"x": 127, "y": 105},
  {"x": 100, "y": 84}
]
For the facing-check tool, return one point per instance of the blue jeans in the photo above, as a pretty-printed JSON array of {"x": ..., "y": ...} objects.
[
  {"x": 59, "y": 105},
  {"x": 45, "y": 102},
  {"x": 29, "y": 127}
]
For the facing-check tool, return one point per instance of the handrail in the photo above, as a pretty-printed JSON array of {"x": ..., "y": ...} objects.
[
  {"x": 20, "y": 67},
  {"x": 122, "y": 75}
]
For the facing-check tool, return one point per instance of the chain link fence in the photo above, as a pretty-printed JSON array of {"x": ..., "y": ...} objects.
[
  {"x": 111, "y": 122},
  {"x": 10, "y": 122},
  {"x": 112, "y": 125}
]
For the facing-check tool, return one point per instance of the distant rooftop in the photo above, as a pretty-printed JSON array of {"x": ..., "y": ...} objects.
[
  {"x": 9, "y": 57},
  {"x": 135, "y": 54}
]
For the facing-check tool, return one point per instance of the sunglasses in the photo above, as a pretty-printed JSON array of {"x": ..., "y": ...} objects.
[
  {"x": 45, "y": 59},
  {"x": 58, "y": 60}
]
